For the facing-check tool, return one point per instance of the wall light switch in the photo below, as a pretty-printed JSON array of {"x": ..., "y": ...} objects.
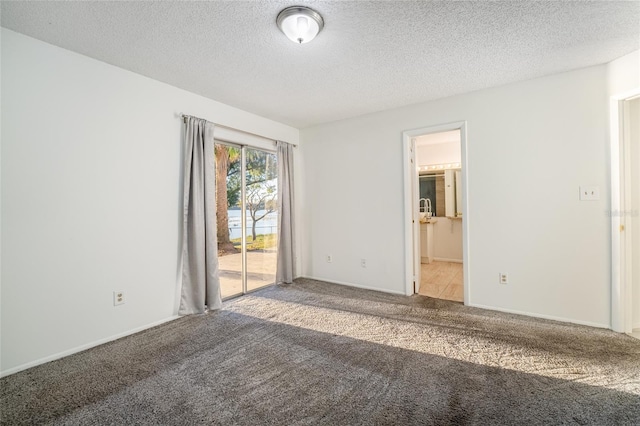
[{"x": 589, "y": 193}]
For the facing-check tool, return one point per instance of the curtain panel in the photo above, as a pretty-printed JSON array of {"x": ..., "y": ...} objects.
[
  {"x": 286, "y": 263},
  {"x": 200, "y": 272}
]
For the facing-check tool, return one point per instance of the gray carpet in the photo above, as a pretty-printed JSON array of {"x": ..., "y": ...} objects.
[{"x": 317, "y": 353}]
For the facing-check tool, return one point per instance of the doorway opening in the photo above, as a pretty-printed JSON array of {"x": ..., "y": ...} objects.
[
  {"x": 438, "y": 161},
  {"x": 436, "y": 210},
  {"x": 625, "y": 213},
  {"x": 247, "y": 218}
]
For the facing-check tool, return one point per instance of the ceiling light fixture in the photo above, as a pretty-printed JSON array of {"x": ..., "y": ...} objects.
[{"x": 301, "y": 24}]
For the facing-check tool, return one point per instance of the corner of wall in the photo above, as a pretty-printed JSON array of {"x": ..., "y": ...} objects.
[{"x": 623, "y": 74}]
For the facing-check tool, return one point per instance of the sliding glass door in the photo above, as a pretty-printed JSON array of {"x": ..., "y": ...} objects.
[
  {"x": 247, "y": 218},
  {"x": 229, "y": 218},
  {"x": 261, "y": 201}
]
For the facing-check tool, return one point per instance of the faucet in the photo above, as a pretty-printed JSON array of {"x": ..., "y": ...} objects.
[{"x": 424, "y": 205}]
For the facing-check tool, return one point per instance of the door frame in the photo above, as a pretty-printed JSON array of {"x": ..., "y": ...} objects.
[
  {"x": 411, "y": 216},
  {"x": 621, "y": 236}
]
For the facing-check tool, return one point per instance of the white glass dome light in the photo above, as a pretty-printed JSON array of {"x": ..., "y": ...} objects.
[{"x": 299, "y": 23}]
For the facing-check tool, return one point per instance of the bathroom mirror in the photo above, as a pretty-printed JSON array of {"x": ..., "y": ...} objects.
[{"x": 444, "y": 189}]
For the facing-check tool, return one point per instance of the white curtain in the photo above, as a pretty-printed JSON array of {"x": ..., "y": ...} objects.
[
  {"x": 286, "y": 266},
  {"x": 200, "y": 273}
]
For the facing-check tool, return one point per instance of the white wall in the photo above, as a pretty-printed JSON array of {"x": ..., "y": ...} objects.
[
  {"x": 530, "y": 146},
  {"x": 439, "y": 153},
  {"x": 91, "y": 197},
  {"x": 623, "y": 74}
]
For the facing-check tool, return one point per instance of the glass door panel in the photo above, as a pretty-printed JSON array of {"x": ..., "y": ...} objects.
[
  {"x": 229, "y": 218},
  {"x": 261, "y": 209}
]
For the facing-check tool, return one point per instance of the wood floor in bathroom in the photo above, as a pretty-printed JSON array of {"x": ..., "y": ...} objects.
[{"x": 442, "y": 280}]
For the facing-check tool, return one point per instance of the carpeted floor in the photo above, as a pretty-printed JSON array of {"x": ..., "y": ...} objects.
[{"x": 317, "y": 353}]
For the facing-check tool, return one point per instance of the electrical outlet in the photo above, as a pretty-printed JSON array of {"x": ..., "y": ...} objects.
[
  {"x": 503, "y": 278},
  {"x": 363, "y": 263},
  {"x": 589, "y": 193},
  {"x": 329, "y": 258},
  {"x": 118, "y": 298}
]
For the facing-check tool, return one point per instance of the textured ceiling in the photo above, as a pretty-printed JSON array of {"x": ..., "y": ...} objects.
[{"x": 371, "y": 56}]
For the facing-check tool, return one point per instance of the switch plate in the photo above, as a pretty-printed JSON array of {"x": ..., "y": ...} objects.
[
  {"x": 363, "y": 263},
  {"x": 589, "y": 193},
  {"x": 329, "y": 258},
  {"x": 503, "y": 278}
]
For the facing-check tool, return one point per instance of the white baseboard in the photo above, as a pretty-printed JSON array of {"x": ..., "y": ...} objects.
[
  {"x": 543, "y": 316},
  {"x": 490, "y": 308},
  {"x": 83, "y": 347},
  {"x": 444, "y": 259},
  {"x": 354, "y": 285}
]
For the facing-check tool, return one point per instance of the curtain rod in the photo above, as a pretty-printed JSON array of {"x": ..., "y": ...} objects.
[{"x": 185, "y": 116}]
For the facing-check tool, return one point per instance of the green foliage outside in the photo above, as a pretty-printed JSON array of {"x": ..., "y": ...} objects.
[
  {"x": 261, "y": 192},
  {"x": 262, "y": 242},
  {"x": 261, "y": 168}
]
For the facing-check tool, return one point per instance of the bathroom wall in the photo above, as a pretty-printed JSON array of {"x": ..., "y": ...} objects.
[{"x": 439, "y": 153}]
